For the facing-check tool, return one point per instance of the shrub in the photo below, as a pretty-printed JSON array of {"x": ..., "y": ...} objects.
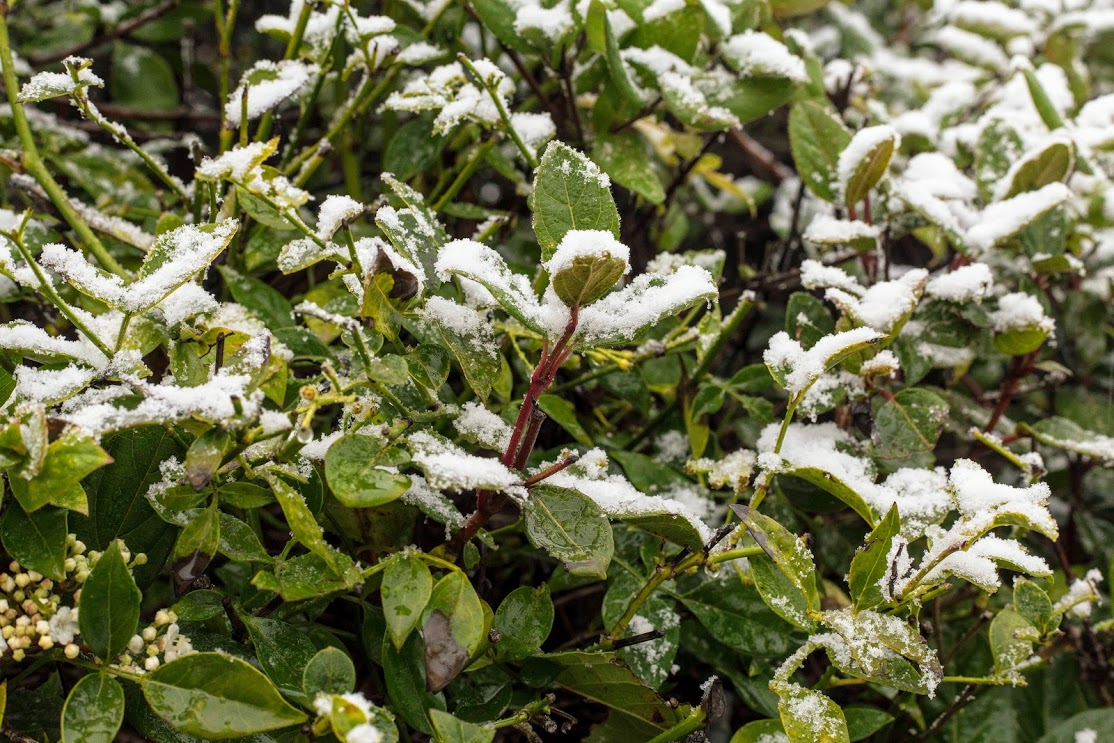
[{"x": 604, "y": 371}]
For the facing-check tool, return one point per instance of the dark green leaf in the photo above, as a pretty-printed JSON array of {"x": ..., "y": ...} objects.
[
  {"x": 816, "y": 138},
  {"x": 142, "y": 79},
  {"x": 404, "y": 672},
  {"x": 624, "y": 157},
  {"x": 449, "y": 729},
  {"x": 563, "y": 413},
  {"x": 37, "y": 541},
  {"x": 239, "y": 542},
  {"x": 736, "y": 616},
  {"x": 869, "y": 566},
  {"x": 523, "y": 621},
  {"x": 357, "y": 469},
  {"x": 908, "y": 424},
  {"x": 110, "y": 600},
  {"x": 283, "y": 651}
]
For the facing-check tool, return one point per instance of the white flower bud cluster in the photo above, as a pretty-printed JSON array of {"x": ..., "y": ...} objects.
[
  {"x": 157, "y": 643},
  {"x": 32, "y": 617}
]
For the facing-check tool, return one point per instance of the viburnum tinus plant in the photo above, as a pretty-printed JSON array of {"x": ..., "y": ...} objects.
[{"x": 610, "y": 370}]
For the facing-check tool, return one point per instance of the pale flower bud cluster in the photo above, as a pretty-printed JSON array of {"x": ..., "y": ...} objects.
[
  {"x": 157, "y": 643},
  {"x": 34, "y": 618}
]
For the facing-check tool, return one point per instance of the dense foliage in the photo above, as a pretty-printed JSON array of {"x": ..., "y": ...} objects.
[{"x": 608, "y": 370}]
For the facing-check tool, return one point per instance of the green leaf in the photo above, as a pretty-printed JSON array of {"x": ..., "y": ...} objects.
[
  {"x": 357, "y": 469},
  {"x": 870, "y": 563},
  {"x": 863, "y": 721},
  {"x": 407, "y": 586},
  {"x": 834, "y": 486},
  {"x": 604, "y": 41},
  {"x": 37, "y": 541},
  {"x": 472, "y": 343},
  {"x": 482, "y": 264},
  {"x": 216, "y": 696},
  {"x": 453, "y": 628},
  {"x": 908, "y": 424},
  {"x": 816, "y": 138},
  {"x": 261, "y": 298},
  {"x": 1049, "y": 114},
  {"x": 205, "y": 456},
  {"x": 239, "y": 542},
  {"x": 523, "y": 621},
  {"x": 498, "y": 17},
  {"x": 69, "y": 459},
  {"x": 570, "y": 193},
  {"x": 304, "y": 577},
  {"x": 598, "y": 677},
  {"x": 871, "y": 165},
  {"x": 758, "y": 731},
  {"x": 429, "y": 366},
  {"x": 94, "y": 710},
  {"x": 1050, "y": 163},
  {"x": 118, "y": 505},
  {"x": 1100, "y": 721},
  {"x": 869, "y": 660},
  {"x": 791, "y": 557},
  {"x": 1011, "y": 641},
  {"x": 587, "y": 278},
  {"x": 572, "y": 528},
  {"x": 810, "y": 717},
  {"x": 414, "y": 147},
  {"x": 142, "y": 79},
  {"x": 623, "y": 156},
  {"x": 110, "y": 600},
  {"x": 304, "y": 526},
  {"x": 1032, "y": 602},
  {"x": 1066, "y": 434},
  {"x": 283, "y": 651},
  {"x": 999, "y": 146},
  {"x": 737, "y": 617},
  {"x": 563, "y": 412},
  {"x": 807, "y": 320},
  {"x": 196, "y": 546},
  {"x": 751, "y": 98},
  {"x": 414, "y": 230},
  {"x": 330, "y": 671},
  {"x": 404, "y": 672},
  {"x": 449, "y": 729}
]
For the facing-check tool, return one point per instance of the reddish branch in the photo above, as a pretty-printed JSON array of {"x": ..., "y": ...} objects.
[{"x": 523, "y": 435}]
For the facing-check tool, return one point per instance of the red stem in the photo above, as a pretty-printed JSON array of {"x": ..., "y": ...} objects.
[{"x": 524, "y": 433}]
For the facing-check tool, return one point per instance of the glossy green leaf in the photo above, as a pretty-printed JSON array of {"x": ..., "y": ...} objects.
[
  {"x": 358, "y": 470},
  {"x": 110, "y": 600},
  {"x": 571, "y": 527},
  {"x": 304, "y": 577},
  {"x": 871, "y": 562},
  {"x": 790, "y": 555},
  {"x": 563, "y": 413},
  {"x": 736, "y": 616},
  {"x": 816, "y": 138},
  {"x": 624, "y": 157},
  {"x": 523, "y": 621},
  {"x": 810, "y": 717},
  {"x": 908, "y": 424},
  {"x": 330, "y": 671},
  {"x": 1011, "y": 641},
  {"x": 205, "y": 456},
  {"x": 304, "y": 526},
  {"x": 69, "y": 459},
  {"x": 94, "y": 710},
  {"x": 217, "y": 696},
  {"x": 239, "y": 542},
  {"x": 598, "y": 678},
  {"x": 807, "y": 320},
  {"x": 570, "y": 193},
  {"x": 37, "y": 541},
  {"x": 453, "y": 627},
  {"x": 283, "y": 651},
  {"x": 450, "y": 729},
  {"x": 407, "y": 586}
]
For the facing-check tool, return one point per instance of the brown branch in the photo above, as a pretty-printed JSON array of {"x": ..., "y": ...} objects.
[
  {"x": 757, "y": 153},
  {"x": 111, "y": 34}
]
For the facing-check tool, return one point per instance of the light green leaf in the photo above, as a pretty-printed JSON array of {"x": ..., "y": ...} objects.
[
  {"x": 449, "y": 729},
  {"x": 1066, "y": 434},
  {"x": 792, "y": 558},
  {"x": 570, "y": 193},
  {"x": 330, "y": 671},
  {"x": 217, "y": 696},
  {"x": 407, "y": 586},
  {"x": 870, "y": 563},
  {"x": 810, "y": 717},
  {"x": 908, "y": 424},
  {"x": 1049, "y": 163},
  {"x": 358, "y": 470},
  {"x": 94, "y": 710},
  {"x": 1011, "y": 641},
  {"x": 304, "y": 526},
  {"x": 816, "y": 138},
  {"x": 69, "y": 459},
  {"x": 563, "y": 412},
  {"x": 570, "y": 527}
]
